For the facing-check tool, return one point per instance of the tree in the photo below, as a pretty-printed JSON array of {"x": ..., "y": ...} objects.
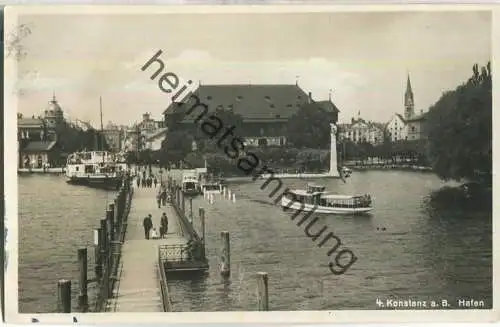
[
  {"x": 460, "y": 130},
  {"x": 310, "y": 127}
]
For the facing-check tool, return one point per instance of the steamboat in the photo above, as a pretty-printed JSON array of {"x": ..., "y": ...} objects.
[{"x": 316, "y": 199}]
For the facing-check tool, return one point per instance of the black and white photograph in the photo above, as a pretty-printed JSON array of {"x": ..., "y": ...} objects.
[{"x": 226, "y": 160}]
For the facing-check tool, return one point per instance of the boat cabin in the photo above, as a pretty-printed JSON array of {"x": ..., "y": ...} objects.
[{"x": 315, "y": 195}]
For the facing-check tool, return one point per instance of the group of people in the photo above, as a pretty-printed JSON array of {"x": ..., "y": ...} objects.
[
  {"x": 147, "y": 181},
  {"x": 150, "y": 232}
]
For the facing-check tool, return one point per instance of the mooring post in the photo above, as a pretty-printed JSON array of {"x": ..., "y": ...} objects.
[
  {"x": 262, "y": 291},
  {"x": 183, "y": 205},
  {"x": 83, "y": 299},
  {"x": 104, "y": 245},
  {"x": 225, "y": 265},
  {"x": 64, "y": 296},
  {"x": 118, "y": 219},
  {"x": 110, "y": 216},
  {"x": 191, "y": 211},
  {"x": 201, "y": 212},
  {"x": 97, "y": 253}
]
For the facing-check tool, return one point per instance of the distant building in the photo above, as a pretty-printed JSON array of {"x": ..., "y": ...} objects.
[
  {"x": 265, "y": 109},
  {"x": 31, "y": 128},
  {"x": 39, "y": 154},
  {"x": 148, "y": 125},
  {"x": 114, "y": 135},
  {"x": 153, "y": 141},
  {"x": 360, "y": 130},
  {"x": 410, "y": 126},
  {"x": 397, "y": 129}
]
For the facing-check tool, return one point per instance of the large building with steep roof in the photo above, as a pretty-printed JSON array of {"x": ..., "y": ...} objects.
[{"x": 265, "y": 109}]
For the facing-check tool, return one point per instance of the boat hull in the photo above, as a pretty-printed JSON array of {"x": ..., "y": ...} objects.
[
  {"x": 111, "y": 183},
  {"x": 299, "y": 206},
  {"x": 191, "y": 192}
]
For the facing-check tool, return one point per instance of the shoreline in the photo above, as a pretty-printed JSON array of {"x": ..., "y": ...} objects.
[{"x": 54, "y": 170}]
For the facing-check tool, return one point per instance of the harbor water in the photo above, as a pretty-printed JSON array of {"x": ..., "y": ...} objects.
[{"x": 409, "y": 248}]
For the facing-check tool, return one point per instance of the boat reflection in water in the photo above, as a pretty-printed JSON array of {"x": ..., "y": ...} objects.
[
  {"x": 315, "y": 199},
  {"x": 100, "y": 169}
]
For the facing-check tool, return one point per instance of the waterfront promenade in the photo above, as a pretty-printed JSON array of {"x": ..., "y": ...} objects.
[{"x": 138, "y": 286}]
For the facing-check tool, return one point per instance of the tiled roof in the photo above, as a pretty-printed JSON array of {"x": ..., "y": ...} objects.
[
  {"x": 29, "y": 122},
  {"x": 252, "y": 102},
  {"x": 39, "y": 146}
]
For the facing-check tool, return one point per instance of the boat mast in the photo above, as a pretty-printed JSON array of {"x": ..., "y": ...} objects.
[{"x": 102, "y": 129}]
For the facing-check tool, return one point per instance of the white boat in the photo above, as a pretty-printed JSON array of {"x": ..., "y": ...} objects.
[
  {"x": 346, "y": 171},
  {"x": 190, "y": 184},
  {"x": 315, "y": 199},
  {"x": 95, "y": 168}
]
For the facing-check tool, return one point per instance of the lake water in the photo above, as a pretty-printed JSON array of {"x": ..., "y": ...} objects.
[{"x": 409, "y": 248}]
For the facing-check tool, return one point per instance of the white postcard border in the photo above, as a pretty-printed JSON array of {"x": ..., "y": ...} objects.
[{"x": 340, "y": 316}]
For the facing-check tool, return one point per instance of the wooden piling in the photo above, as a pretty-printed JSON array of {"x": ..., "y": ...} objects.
[
  {"x": 183, "y": 204},
  {"x": 83, "y": 299},
  {"x": 191, "y": 210},
  {"x": 64, "y": 296},
  {"x": 201, "y": 212},
  {"x": 97, "y": 253},
  {"x": 225, "y": 265},
  {"x": 262, "y": 291},
  {"x": 110, "y": 217}
]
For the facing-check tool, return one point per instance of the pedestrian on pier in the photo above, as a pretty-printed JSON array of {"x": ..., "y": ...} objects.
[
  {"x": 155, "y": 181},
  {"x": 148, "y": 224},
  {"x": 164, "y": 196},
  {"x": 143, "y": 182},
  {"x": 138, "y": 181},
  {"x": 163, "y": 225},
  {"x": 158, "y": 199}
]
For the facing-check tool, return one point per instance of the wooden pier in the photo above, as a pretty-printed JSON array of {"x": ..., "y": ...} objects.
[{"x": 132, "y": 271}]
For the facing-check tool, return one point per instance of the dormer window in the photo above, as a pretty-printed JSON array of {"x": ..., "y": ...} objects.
[
  {"x": 289, "y": 105},
  {"x": 209, "y": 97},
  {"x": 271, "y": 105}
]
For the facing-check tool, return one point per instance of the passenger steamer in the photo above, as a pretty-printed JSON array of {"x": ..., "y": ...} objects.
[
  {"x": 315, "y": 199},
  {"x": 101, "y": 169}
]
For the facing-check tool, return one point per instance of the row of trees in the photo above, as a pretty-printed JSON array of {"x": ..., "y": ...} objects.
[
  {"x": 460, "y": 130},
  {"x": 73, "y": 139}
]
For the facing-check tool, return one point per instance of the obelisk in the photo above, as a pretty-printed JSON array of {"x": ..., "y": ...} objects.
[{"x": 333, "y": 151}]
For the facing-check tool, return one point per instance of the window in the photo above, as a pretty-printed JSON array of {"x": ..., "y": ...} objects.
[
  {"x": 209, "y": 97},
  {"x": 271, "y": 105},
  {"x": 267, "y": 98},
  {"x": 413, "y": 128},
  {"x": 239, "y": 98},
  {"x": 288, "y": 105}
]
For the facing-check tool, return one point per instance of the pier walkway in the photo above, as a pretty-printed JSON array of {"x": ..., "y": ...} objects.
[{"x": 138, "y": 287}]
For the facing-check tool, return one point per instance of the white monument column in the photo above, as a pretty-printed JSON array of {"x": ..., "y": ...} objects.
[{"x": 333, "y": 151}]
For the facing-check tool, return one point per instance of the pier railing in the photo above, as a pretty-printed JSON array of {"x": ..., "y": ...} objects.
[
  {"x": 108, "y": 240},
  {"x": 112, "y": 236},
  {"x": 165, "y": 294}
]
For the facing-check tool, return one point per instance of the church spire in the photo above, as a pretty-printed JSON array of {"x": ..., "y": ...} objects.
[{"x": 409, "y": 103}]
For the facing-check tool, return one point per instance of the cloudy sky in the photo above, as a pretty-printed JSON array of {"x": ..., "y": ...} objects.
[{"x": 363, "y": 58}]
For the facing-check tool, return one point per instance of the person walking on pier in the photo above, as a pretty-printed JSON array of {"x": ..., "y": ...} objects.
[
  {"x": 143, "y": 182},
  {"x": 163, "y": 225},
  {"x": 158, "y": 199},
  {"x": 148, "y": 224},
  {"x": 138, "y": 181},
  {"x": 156, "y": 182}
]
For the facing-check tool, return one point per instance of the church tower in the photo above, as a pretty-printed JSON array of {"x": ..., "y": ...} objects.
[{"x": 409, "y": 104}]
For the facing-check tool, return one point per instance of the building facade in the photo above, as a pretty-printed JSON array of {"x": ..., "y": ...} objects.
[
  {"x": 410, "y": 126},
  {"x": 265, "y": 109},
  {"x": 360, "y": 130},
  {"x": 114, "y": 136}
]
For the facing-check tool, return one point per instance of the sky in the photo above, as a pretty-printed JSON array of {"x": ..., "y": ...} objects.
[{"x": 362, "y": 59}]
